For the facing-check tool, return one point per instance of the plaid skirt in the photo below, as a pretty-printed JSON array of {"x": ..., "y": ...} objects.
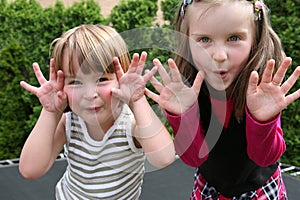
[{"x": 273, "y": 189}]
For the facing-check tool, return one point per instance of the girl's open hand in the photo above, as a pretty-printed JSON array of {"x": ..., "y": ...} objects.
[
  {"x": 268, "y": 98},
  {"x": 50, "y": 93},
  {"x": 174, "y": 96},
  {"x": 132, "y": 84}
]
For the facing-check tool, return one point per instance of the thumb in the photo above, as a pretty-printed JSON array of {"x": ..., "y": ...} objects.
[
  {"x": 116, "y": 92},
  {"x": 120, "y": 95},
  {"x": 152, "y": 95},
  {"x": 253, "y": 82},
  {"x": 149, "y": 74},
  {"x": 62, "y": 97},
  {"x": 198, "y": 82},
  {"x": 62, "y": 100}
]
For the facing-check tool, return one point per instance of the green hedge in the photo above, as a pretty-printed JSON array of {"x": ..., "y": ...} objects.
[
  {"x": 286, "y": 22},
  {"x": 133, "y": 14},
  {"x": 26, "y": 30}
]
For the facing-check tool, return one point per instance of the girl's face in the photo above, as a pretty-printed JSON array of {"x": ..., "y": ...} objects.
[
  {"x": 90, "y": 96},
  {"x": 221, "y": 40}
]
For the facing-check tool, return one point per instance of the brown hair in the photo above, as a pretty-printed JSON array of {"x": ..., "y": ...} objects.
[
  {"x": 266, "y": 45},
  {"x": 95, "y": 46}
]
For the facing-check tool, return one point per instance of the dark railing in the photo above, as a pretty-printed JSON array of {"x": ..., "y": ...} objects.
[
  {"x": 285, "y": 168},
  {"x": 15, "y": 161},
  {"x": 173, "y": 182},
  {"x": 289, "y": 169}
]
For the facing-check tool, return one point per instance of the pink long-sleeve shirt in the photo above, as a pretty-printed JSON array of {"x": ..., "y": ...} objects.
[{"x": 265, "y": 143}]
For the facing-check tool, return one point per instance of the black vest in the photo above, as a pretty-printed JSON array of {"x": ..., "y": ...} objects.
[{"x": 228, "y": 167}]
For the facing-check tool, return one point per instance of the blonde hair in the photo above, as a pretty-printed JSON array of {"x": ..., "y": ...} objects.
[
  {"x": 94, "y": 45},
  {"x": 266, "y": 45}
]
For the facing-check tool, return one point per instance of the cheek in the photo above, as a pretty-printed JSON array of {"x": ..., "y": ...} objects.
[
  {"x": 200, "y": 56},
  {"x": 73, "y": 97},
  {"x": 201, "y": 60},
  {"x": 240, "y": 59},
  {"x": 105, "y": 94},
  {"x": 242, "y": 54}
]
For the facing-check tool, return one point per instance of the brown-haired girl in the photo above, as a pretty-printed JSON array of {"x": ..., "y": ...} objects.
[
  {"x": 235, "y": 140},
  {"x": 111, "y": 126}
]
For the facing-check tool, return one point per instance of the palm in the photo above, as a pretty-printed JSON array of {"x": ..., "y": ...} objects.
[
  {"x": 47, "y": 94},
  {"x": 50, "y": 93},
  {"x": 267, "y": 102},
  {"x": 267, "y": 99},
  {"x": 174, "y": 96},
  {"x": 132, "y": 84},
  {"x": 132, "y": 87}
]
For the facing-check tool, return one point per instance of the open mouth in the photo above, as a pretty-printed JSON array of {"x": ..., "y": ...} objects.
[{"x": 221, "y": 74}]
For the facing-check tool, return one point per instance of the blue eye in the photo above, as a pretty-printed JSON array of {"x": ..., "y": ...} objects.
[
  {"x": 204, "y": 40},
  {"x": 233, "y": 38},
  {"x": 75, "y": 82}
]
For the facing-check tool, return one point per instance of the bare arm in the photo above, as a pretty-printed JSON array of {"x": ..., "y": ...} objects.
[
  {"x": 180, "y": 101},
  {"x": 152, "y": 135},
  {"x": 43, "y": 145},
  {"x": 148, "y": 129},
  {"x": 47, "y": 137}
]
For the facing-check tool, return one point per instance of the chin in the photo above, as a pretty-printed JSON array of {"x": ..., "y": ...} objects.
[{"x": 218, "y": 87}]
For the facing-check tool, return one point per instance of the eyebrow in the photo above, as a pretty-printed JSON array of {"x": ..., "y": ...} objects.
[
  {"x": 244, "y": 34},
  {"x": 238, "y": 32},
  {"x": 69, "y": 76}
]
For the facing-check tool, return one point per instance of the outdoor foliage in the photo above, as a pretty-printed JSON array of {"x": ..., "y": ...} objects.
[
  {"x": 169, "y": 8},
  {"x": 26, "y": 31},
  {"x": 131, "y": 14},
  {"x": 286, "y": 22}
]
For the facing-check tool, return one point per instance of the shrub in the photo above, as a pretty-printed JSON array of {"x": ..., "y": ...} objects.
[
  {"x": 286, "y": 22},
  {"x": 26, "y": 31},
  {"x": 133, "y": 14}
]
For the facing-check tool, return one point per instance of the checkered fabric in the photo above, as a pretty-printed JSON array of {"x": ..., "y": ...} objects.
[{"x": 273, "y": 189}]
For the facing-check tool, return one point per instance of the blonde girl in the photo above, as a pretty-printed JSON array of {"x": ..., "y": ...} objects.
[
  {"x": 228, "y": 126},
  {"x": 109, "y": 127}
]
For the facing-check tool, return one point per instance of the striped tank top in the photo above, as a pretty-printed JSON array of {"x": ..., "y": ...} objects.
[{"x": 112, "y": 168}]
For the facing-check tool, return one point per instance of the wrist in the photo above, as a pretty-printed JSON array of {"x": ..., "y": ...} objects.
[
  {"x": 261, "y": 120},
  {"x": 52, "y": 114},
  {"x": 138, "y": 103}
]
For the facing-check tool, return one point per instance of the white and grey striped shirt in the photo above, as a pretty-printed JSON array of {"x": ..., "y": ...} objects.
[{"x": 112, "y": 168}]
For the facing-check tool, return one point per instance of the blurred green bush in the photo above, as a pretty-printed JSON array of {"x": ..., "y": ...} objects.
[{"x": 27, "y": 29}]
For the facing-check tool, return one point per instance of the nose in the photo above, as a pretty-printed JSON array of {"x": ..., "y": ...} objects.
[
  {"x": 90, "y": 93},
  {"x": 219, "y": 53}
]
